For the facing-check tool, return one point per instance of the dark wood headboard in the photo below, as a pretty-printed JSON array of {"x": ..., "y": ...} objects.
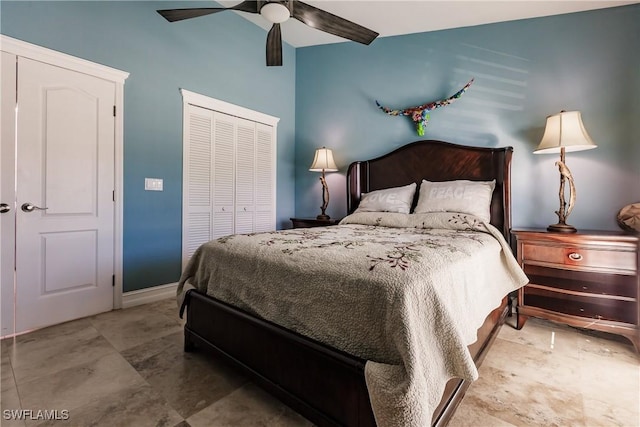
[{"x": 437, "y": 161}]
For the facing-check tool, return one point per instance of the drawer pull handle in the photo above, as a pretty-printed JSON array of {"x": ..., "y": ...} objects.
[{"x": 575, "y": 256}]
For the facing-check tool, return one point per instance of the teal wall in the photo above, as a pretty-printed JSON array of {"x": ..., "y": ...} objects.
[
  {"x": 218, "y": 56},
  {"x": 324, "y": 95},
  {"x": 524, "y": 71}
]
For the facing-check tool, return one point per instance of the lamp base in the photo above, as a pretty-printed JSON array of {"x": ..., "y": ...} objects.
[
  {"x": 323, "y": 217},
  {"x": 561, "y": 228}
]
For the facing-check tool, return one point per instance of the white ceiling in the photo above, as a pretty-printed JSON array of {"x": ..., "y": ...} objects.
[{"x": 390, "y": 18}]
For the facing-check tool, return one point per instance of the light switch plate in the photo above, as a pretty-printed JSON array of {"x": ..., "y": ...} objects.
[{"x": 153, "y": 184}]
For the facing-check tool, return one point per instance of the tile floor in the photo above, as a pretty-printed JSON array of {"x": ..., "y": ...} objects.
[{"x": 127, "y": 368}]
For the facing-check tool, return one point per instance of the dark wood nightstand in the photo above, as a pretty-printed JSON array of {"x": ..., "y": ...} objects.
[
  {"x": 313, "y": 222},
  {"x": 587, "y": 279}
]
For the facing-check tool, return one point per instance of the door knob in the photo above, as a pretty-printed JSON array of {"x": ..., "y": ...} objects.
[
  {"x": 28, "y": 207},
  {"x": 4, "y": 208}
]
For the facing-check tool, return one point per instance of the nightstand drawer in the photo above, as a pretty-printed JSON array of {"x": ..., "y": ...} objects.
[
  {"x": 580, "y": 258},
  {"x": 582, "y": 306},
  {"x": 582, "y": 281}
]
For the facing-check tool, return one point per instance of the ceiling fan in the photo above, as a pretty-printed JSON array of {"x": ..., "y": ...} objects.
[{"x": 277, "y": 12}]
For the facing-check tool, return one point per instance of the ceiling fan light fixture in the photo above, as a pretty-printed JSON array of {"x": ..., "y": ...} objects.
[{"x": 275, "y": 13}]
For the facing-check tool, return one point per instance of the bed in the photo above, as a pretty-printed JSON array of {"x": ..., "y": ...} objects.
[{"x": 315, "y": 375}]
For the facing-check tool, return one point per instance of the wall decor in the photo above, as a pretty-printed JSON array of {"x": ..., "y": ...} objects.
[{"x": 420, "y": 114}]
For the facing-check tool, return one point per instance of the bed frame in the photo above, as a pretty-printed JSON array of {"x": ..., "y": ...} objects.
[{"x": 326, "y": 385}]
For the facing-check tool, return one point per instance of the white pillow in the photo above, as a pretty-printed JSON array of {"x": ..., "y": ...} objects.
[
  {"x": 469, "y": 197},
  {"x": 396, "y": 199}
]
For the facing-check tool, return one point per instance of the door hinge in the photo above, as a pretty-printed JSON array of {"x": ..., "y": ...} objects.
[
  {"x": 113, "y": 281},
  {"x": 114, "y": 111},
  {"x": 113, "y": 195}
]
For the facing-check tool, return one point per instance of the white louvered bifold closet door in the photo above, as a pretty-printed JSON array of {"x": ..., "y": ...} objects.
[
  {"x": 229, "y": 177},
  {"x": 197, "y": 209},
  {"x": 223, "y": 175},
  {"x": 245, "y": 175},
  {"x": 265, "y": 173}
]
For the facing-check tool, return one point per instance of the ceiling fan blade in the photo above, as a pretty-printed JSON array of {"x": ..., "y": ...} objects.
[
  {"x": 247, "y": 6},
  {"x": 330, "y": 23},
  {"x": 274, "y": 46},
  {"x": 173, "y": 15}
]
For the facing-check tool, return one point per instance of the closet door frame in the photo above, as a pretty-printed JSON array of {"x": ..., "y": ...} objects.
[
  {"x": 24, "y": 49},
  {"x": 216, "y": 105}
]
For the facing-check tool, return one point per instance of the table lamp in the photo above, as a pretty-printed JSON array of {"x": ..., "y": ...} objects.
[
  {"x": 323, "y": 162},
  {"x": 564, "y": 132}
]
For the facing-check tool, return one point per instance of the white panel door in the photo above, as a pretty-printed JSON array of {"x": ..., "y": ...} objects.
[
  {"x": 7, "y": 191},
  {"x": 65, "y": 184}
]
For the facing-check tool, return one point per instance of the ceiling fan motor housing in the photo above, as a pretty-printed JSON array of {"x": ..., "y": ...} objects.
[{"x": 275, "y": 12}]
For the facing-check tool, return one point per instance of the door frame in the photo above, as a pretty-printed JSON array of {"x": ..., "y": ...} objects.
[{"x": 38, "y": 53}]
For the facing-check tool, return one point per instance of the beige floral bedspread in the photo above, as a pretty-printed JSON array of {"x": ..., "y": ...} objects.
[{"x": 405, "y": 292}]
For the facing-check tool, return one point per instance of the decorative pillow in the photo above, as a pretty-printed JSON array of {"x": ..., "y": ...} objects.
[
  {"x": 470, "y": 197},
  {"x": 629, "y": 217},
  {"x": 396, "y": 199}
]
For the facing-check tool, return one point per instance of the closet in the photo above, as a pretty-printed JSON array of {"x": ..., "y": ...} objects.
[{"x": 229, "y": 171}]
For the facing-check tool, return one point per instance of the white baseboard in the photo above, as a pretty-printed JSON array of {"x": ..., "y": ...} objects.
[{"x": 147, "y": 295}]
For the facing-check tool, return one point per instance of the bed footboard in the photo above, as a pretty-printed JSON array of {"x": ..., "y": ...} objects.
[{"x": 323, "y": 384}]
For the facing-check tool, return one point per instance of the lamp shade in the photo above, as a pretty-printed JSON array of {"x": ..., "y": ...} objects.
[
  {"x": 323, "y": 161},
  {"x": 565, "y": 130}
]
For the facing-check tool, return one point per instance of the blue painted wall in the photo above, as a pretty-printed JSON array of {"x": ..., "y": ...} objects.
[
  {"x": 524, "y": 71},
  {"x": 324, "y": 95},
  {"x": 218, "y": 56}
]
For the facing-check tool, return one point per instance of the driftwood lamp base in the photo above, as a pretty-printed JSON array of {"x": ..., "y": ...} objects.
[{"x": 562, "y": 228}]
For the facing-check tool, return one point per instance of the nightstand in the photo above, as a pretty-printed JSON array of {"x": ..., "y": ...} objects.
[
  {"x": 587, "y": 279},
  {"x": 313, "y": 222}
]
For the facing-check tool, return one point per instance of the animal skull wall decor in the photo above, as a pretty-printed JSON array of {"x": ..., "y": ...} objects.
[{"x": 420, "y": 114}]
